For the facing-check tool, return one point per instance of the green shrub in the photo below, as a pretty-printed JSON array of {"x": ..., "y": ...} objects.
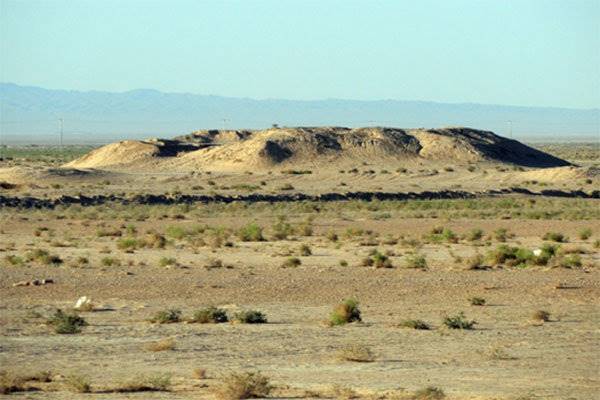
[
  {"x": 78, "y": 383},
  {"x": 66, "y": 323},
  {"x": 439, "y": 234},
  {"x": 43, "y": 257},
  {"x": 475, "y": 234},
  {"x": 380, "y": 260},
  {"x": 416, "y": 261},
  {"x": 512, "y": 256},
  {"x": 585, "y": 234},
  {"x": 176, "y": 232},
  {"x": 211, "y": 315},
  {"x": 477, "y": 301},
  {"x": 459, "y": 322},
  {"x": 570, "y": 261},
  {"x": 110, "y": 261},
  {"x": 415, "y": 324},
  {"x": 291, "y": 262},
  {"x": 250, "y": 317},
  {"x": 251, "y": 233},
  {"x": 128, "y": 243},
  {"x": 167, "y": 261},
  {"x": 13, "y": 260},
  {"x": 555, "y": 237},
  {"x": 152, "y": 383},
  {"x": 170, "y": 316},
  {"x": 501, "y": 234},
  {"x": 345, "y": 312},
  {"x": 282, "y": 229}
]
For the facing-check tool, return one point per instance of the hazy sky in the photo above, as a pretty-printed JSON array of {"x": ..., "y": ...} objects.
[{"x": 538, "y": 53}]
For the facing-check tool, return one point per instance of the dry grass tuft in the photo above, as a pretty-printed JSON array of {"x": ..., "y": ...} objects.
[
  {"x": 161, "y": 345},
  {"x": 356, "y": 353},
  {"x": 248, "y": 385}
]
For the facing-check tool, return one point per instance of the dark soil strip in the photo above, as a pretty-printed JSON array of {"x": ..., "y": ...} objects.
[{"x": 33, "y": 202}]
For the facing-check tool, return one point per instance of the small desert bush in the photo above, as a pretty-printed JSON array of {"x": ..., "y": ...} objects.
[
  {"x": 167, "y": 317},
  {"x": 282, "y": 229},
  {"x": 66, "y": 323},
  {"x": 161, "y": 345},
  {"x": 356, "y": 352},
  {"x": 585, "y": 234},
  {"x": 251, "y": 233},
  {"x": 475, "y": 262},
  {"x": 416, "y": 261},
  {"x": 415, "y": 324},
  {"x": 474, "y": 235},
  {"x": 477, "y": 301},
  {"x": 108, "y": 233},
  {"x": 250, "y": 317},
  {"x": 291, "y": 262},
  {"x": 248, "y": 385},
  {"x": 498, "y": 352},
  {"x": 429, "y": 393},
  {"x": 213, "y": 263},
  {"x": 43, "y": 257},
  {"x": 459, "y": 321},
  {"x": 541, "y": 315},
  {"x": 167, "y": 261},
  {"x": 332, "y": 236},
  {"x": 305, "y": 229},
  {"x": 176, "y": 232},
  {"x": 511, "y": 256},
  {"x": 150, "y": 383},
  {"x": 155, "y": 241},
  {"x": 440, "y": 234},
  {"x": 305, "y": 250},
  {"x": 570, "y": 261},
  {"x": 78, "y": 383},
  {"x": 13, "y": 260},
  {"x": 210, "y": 315},
  {"x": 129, "y": 243},
  {"x": 12, "y": 383},
  {"x": 110, "y": 261},
  {"x": 345, "y": 312},
  {"x": 555, "y": 237},
  {"x": 501, "y": 234},
  {"x": 377, "y": 260}
]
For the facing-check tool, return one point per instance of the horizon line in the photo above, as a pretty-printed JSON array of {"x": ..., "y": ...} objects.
[{"x": 297, "y": 100}]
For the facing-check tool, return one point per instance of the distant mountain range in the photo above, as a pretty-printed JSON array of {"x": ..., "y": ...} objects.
[{"x": 32, "y": 115}]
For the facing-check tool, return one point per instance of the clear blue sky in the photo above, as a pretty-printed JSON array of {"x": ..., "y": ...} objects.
[{"x": 537, "y": 53}]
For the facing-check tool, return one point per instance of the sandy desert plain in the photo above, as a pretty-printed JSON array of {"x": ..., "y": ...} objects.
[{"x": 485, "y": 287}]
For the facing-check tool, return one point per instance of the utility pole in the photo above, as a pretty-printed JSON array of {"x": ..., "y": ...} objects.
[
  {"x": 225, "y": 123},
  {"x": 510, "y": 128},
  {"x": 61, "y": 132}
]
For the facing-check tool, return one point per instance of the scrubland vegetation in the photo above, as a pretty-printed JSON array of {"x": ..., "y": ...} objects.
[{"x": 217, "y": 300}]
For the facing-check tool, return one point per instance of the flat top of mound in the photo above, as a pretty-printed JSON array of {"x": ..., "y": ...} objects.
[{"x": 285, "y": 147}]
